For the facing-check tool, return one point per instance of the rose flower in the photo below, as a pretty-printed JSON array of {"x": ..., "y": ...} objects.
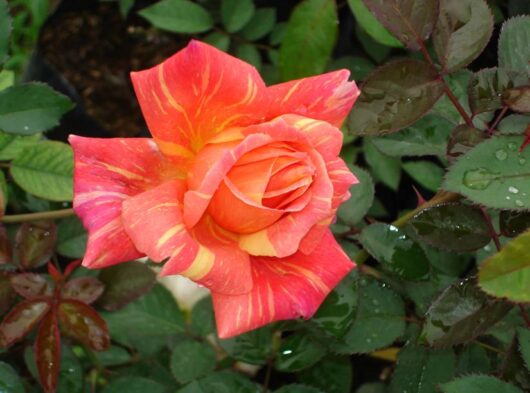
[{"x": 235, "y": 191}]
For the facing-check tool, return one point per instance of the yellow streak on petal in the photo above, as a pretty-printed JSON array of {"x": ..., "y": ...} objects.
[
  {"x": 201, "y": 265},
  {"x": 314, "y": 279},
  {"x": 174, "y": 149},
  {"x": 158, "y": 102},
  {"x": 122, "y": 172},
  {"x": 257, "y": 243},
  {"x": 85, "y": 197},
  {"x": 169, "y": 234},
  {"x": 162, "y": 205},
  {"x": 270, "y": 300},
  {"x": 230, "y": 135},
  {"x": 109, "y": 227},
  {"x": 291, "y": 91}
]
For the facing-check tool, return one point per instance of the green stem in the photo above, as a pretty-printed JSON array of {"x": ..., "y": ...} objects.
[{"x": 48, "y": 215}]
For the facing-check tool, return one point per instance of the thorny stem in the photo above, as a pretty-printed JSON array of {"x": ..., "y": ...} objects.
[
  {"x": 491, "y": 229},
  {"x": 489, "y": 347},
  {"x": 52, "y": 214},
  {"x": 446, "y": 88},
  {"x": 493, "y": 125}
]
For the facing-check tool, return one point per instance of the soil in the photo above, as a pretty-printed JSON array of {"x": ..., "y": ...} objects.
[{"x": 95, "y": 49}]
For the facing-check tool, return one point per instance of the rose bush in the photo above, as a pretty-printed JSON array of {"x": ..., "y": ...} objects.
[{"x": 235, "y": 191}]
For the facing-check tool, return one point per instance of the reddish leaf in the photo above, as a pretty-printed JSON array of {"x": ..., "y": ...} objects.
[
  {"x": 21, "y": 320},
  {"x": 84, "y": 289},
  {"x": 56, "y": 274},
  {"x": 31, "y": 285},
  {"x": 48, "y": 352},
  {"x": 34, "y": 243},
  {"x": 7, "y": 294},
  {"x": 6, "y": 253},
  {"x": 71, "y": 267},
  {"x": 518, "y": 99},
  {"x": 84, "y": 324},
  {"x": 125, "y": 283}
]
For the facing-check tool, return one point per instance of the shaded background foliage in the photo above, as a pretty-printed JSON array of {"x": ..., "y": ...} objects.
[{"x": 438, "y": 225}]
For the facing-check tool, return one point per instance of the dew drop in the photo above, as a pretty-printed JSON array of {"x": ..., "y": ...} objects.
[
  {"x": 512, "y": 146},
  {"x": 519, "y": 203},
  {"x": 522, "y": 161},
  {"x": 513, "y": 190},
  {"x": 479, "y": 179},
  {"x": 501, "y": 154}
]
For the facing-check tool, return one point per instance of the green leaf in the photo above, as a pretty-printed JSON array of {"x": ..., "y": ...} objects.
[
  {"x": 250, "y": 54},
  {"x": 408, "y": 20},
  {"x": 296, "y": 388},
  {"x": 514, "y": 44},
  {"x": 191, "y": 360},
  {"x": 507, "y": 273},
  {"x": 420, "y": 370},
  {"x": 426, "y": 173},
  {"x": 236, "y": 13},
  {"x": 297, "y": 352},
  {"x": 260, "y": 25},
  {"x": 362, "y": 196},
  {"x": 114, "y": 356},
  {"x": 219, "y": 40},
  {"x": 7, "y": 78},
  {"x": 370, "y": 24},
  {"x": 427, "y": 136},
  {"x": 254, "y": 347},
  {"x": 517, "y": 99},
  {"x": 374, "y": 49},
  {"x": 494, "y": 174},
  {"x": 478, "y": 384},
  {"x": 5, "y": 30},
  {"x": 379, "y": 320},
  {"x": 386, "y": 169},
  {"x": 336, "y": 313},
  {"x": 153, "y": 315},
  {"x": 221, "y": 382},
  {"x": 452, "y": 226},
  {"x": 463, "y": 138},
  {"x": 178, "y": 16},
  {"x": 202, "y": 317},
  {"x": 71, "y": 238},
  {"x": 10, "y": 382},
  {"x": 458, "y": 83},
  {"x": 513, "y": 368},
  {"x": 462, "y": 32},
  {"x": 487, "y": 86},
  {"x": 395, "y": 250},
  {"x": 422, "y": 293},
  {"x": 473, "y": 359},
  {"x": 524, "y": 345},
  {"x": 309, "y": 40},
  {"x": 512, "y": 224},
  {"x": 31, "y": 108},
  {"x": 134, "y": 385},
  {"x": 461, "y": 313},
  {"x": 45, "y": 170},
  {"x": 125, "y": 283},
  {"x": 359, "y": 67},
  {"x": 394, "y": 96},
  {"x": 278, "y": 33},
  {"x": 125, "y": 7},
  {"x": 12, "y": 145},
  {"x": 333, "y": 374},
  {"x": 514, "y": 124}
]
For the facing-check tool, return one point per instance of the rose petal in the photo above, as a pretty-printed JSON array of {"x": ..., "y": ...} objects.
[
  {"x": 283, "y": 289},
  {"x": 154, "y": 222},
  {"x": 107, "y": 171},
  {"x": 283, "y": 237},
  {"x": 327, "y": 97},
  {"x": 196, "y": 94}
]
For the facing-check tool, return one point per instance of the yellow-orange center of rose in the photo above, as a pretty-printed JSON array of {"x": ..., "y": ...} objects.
[{"x": 261, "y": 187}]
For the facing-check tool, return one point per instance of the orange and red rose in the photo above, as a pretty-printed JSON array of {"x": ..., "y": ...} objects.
[{"x": 235, "y": 191}]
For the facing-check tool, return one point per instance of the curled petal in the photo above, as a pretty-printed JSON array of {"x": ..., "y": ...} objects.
[
  {"x": 283, "y": 289},
  {"x": 154, "y": 222},
  {"x": 196, "y": 94},
  {"x": 284, "y": 236},
  {"x": 107, "y": 171},
  {"x": 328, "y": 97}
]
